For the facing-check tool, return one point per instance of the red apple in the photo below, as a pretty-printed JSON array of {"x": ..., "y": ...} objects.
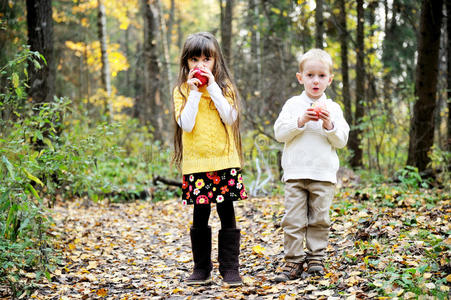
[
  {"x": 203, "y": 79},
  {"x": 317, "y": 109}
]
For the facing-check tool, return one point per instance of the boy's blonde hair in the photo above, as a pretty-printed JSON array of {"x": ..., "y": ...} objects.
[{"x": 318, "y": 54}]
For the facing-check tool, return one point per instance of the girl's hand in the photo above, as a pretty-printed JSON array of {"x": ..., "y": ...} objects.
[
  {"x": 192, "y": 81},
  {"x": 207, "y": 73},
  {"x": 309, "y": 115},
  {"x": 325, "y": 116}
]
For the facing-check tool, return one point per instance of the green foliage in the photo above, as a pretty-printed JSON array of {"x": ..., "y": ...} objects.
[
  {"x": 411, "y": 179},
  {"x": 24, "y": 221},
  {"x": 52, "y": 150},
  {"x": 441, "y": 162}
]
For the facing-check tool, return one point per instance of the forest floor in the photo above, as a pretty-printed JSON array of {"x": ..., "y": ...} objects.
[{"x": 397, "y": 246}]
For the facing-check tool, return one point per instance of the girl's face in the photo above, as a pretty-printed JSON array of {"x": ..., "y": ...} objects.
[
  {"x": 315, "y": 77},
  {"x": 201, "y": 61}
]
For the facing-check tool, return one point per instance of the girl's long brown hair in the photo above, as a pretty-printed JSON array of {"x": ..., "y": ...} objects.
[{"x": 196, "y": 45}]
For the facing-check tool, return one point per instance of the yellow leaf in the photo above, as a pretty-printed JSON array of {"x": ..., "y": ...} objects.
[
  {"x": 71, "y": 246},
  {"x": 102, "y": 292},
  {"x": 258, "y": 249},
  {"x": 448, "y": 278}
]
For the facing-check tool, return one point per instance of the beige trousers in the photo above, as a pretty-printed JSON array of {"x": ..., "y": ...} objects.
[{"x": 307, "y": 204}]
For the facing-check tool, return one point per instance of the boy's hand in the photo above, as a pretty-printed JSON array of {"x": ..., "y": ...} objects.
[
  {"x": 325, "y": 116},
  {"x": 309, "y": 115}
]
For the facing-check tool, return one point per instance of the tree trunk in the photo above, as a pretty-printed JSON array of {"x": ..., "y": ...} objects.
[
  {"x": 319, "y": 22},
  {"x": 152, "y": 103},
  {"x": 387, "y": 48},
  {"x": 106, "y": 74},
  {"x": 170, "y": 25},
  {"x": 226, "y": 30},
  {"x": 40, "y": 38},
  {"x": 344, "y": 62},
  {"x": 167, "y": 67},
  {"x": 422, "y": 121},
  {"x": 448, "y": 80},
  {"x": 355, "y": 134}
]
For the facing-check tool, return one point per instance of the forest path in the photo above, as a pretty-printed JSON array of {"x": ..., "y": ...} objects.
[{"x": 142, "y": 250}]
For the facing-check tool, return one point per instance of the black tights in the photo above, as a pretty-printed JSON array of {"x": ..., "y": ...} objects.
[{"x": 226, "y": 212}]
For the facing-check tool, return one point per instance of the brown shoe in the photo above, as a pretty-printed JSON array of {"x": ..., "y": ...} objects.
[
  {"x": 290, "y": 271},
  {"x": 315, "y": 267}
]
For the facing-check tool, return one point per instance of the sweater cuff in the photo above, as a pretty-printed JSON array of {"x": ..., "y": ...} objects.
[
  {"x": 301, "y": 129},
  {"x": 332, "y": 131}
]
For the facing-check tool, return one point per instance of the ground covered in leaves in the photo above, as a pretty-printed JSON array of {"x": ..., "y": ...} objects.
[{"x": 382, "y": 244}]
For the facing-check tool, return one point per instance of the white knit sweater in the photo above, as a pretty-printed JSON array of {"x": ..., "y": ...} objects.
[{"x": 309, "y": 152}]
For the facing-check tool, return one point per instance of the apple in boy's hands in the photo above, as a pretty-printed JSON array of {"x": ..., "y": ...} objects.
[
  {"x": 318, "y": 107},
  {"x": 203, "y": 79}
]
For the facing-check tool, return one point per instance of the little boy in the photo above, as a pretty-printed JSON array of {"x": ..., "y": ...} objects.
[{"x": 312, "y": 127}]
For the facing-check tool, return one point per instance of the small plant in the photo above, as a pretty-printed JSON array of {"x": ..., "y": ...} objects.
[{"x": 411, "y": 179}]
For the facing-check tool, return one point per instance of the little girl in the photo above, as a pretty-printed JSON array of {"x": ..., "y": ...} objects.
[{"x": 207, "y": 146}]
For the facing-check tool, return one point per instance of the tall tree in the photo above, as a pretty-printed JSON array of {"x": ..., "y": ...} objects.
[
  {"x": 319, "y": 22},
  {"x": 448, "y": 79},
  {"x": 105, "y": 71},
  {"x": 226, "y": 28},
  {"x": 422, "y": 121},
  {"x": 40, "y": 38},
  {"x": 356, "y": 132},
  {"x": 167, "y": 82},
  {"x": 344, "y": 61},
  {"x": 151, "y": 104}
]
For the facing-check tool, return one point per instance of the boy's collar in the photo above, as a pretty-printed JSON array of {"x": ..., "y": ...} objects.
[{"x": 322, "y": 98}]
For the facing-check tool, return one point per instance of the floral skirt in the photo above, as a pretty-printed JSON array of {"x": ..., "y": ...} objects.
[{"x": 213, "y": 187}]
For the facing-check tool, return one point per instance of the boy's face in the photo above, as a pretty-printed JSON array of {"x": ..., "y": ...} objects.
[{"x": 315, "y": 77}]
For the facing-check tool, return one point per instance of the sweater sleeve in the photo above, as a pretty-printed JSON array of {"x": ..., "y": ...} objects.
[
  {"x": 338, "y": 136},
  {"x": 225, "y": 109},
  {"x": 286, "y": 125},
  {"x": 186, "y": 118}
]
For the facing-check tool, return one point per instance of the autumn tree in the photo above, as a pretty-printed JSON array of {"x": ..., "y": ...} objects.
[
  {"x": 343, "y": 32},
  {"x": 356, "y": 132},
  {"x": 40, "y": 38},
  {"x": 150, "y": 108},
  {"x": 105, "y": 71},
  {"x": 319, "y": 22},
  {"x": 422, "y": 121},
  {"x": 226, "y": 8},
  {"x": 448, "y": 29}
]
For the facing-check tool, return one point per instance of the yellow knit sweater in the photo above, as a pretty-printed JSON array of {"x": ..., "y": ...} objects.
[{"x": 206, "y": 147}]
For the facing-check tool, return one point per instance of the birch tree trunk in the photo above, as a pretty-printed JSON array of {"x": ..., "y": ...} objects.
[
  {"x": 106, "y": 74},
  {"x": 355, "y": 138},
  {"x": 319, "y": 22},
  {"x": 422, "y": 121},
  {"x": 166, "y": 60}
]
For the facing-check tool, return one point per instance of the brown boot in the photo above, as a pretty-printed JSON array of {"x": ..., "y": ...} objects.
[
  {"x": 290, "y": 271},
  {"x": 201, "y": 247},
  {"x": 228, "y": 253},
  {"x": 315, "y": 267}
]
